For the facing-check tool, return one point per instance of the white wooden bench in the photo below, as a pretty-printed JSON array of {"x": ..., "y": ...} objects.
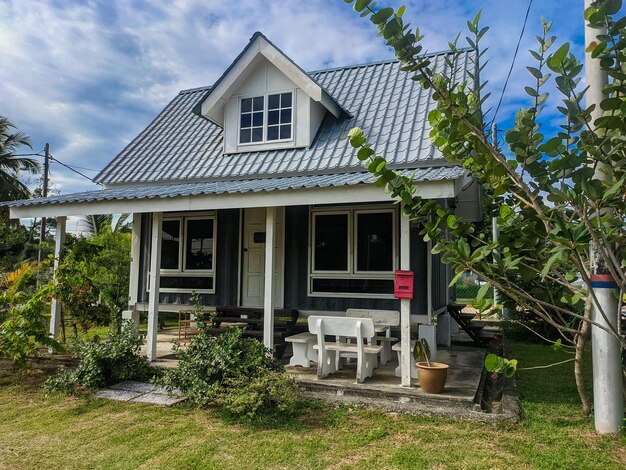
[
  {"x": 398, "y": 372},
  {"x": 381, "y": 318},
  {"x": 303, "y": 351},
  {"x": 357, "y": 329}
]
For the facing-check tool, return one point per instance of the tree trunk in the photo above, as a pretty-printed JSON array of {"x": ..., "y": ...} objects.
[{"x": 581, "y": 341}]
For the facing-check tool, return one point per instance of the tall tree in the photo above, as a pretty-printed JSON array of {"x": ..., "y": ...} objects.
[
  {"x": 11, "y": 164},
  {"x": 548, "y": 204}
]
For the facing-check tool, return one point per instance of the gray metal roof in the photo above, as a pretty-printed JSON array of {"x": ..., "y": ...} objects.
[
  {"x": 391, "y": 108},
  {"x": 150, "y": 191}
]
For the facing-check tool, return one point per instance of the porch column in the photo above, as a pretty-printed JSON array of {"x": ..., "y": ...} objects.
[
  {"x": 429, "y": 331},
  {"x": 155, "y": 277},
  {"x": 133, "y": 285},
  {"x": 268, "y": 294},
  {"x": 55, "y": 309},
  {"x": 405, "y": 304}
]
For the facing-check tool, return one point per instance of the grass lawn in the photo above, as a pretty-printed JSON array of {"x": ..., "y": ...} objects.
[{"x": 61, "y": 432}]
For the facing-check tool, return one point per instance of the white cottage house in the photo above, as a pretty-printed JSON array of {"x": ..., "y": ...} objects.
[{"x": 248, "y": 192}]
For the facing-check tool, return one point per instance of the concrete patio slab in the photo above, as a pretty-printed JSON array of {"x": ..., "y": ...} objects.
[
  {"x": 118, "y": 395},
  {"x": 140, "y": 392},
  {"x": 134, "y": 386}
]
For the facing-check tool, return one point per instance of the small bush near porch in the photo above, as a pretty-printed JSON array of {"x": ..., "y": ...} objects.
[{"x": 68, "y": 432}]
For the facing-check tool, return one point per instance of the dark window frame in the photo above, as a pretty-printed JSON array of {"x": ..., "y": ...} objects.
[
  {"x": 181, "y": 271},
  {"x": 352, "y": 273}
]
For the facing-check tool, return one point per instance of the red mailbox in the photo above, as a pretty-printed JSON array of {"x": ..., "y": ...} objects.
[{"x": 403, "y": 285}]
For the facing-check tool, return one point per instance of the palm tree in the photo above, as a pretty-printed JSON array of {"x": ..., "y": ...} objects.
[
  {"x": 96, "y": 224},
  {"x": 11, "y": 164}
]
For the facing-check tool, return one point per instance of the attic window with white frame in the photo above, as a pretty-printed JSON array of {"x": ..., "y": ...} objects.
[{"x": 267, "y": 118}]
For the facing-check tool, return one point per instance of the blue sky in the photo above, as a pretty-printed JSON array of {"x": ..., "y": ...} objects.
[{"x": 87, "y": 76}]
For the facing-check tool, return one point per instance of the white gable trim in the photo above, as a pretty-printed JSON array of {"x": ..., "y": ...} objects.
[
  {"x": 213, "y": 106},
  {"x": 296, "y": 197}
]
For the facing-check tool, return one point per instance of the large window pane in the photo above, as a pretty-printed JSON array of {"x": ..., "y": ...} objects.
[
  {"x": 170, "y": 244},
  {"x": 281, "y": 113},
  {"x": 199, "y": 244},
  {"x": 331, "y": 242},
  {"x": 353, "y": 286},
  {"x": 375, "y": 242},
  {"x": 180, "y": 282}
]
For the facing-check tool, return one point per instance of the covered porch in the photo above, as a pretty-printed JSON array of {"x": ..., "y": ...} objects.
[{"x": 286, "y": 273}]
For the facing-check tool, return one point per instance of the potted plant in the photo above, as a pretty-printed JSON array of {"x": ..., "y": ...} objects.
[
  {"x": 432, "y": 375},
  {"x": 498, "y": 368}
]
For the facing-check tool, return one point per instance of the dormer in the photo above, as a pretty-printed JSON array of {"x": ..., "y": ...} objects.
[{"x": 264, "y": 101}]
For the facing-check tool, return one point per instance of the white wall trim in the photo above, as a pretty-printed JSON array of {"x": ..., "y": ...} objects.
[{"x": 358, "y": 193}]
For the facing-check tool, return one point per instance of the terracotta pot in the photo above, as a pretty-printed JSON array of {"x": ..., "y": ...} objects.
[{"x": 432, "y": 378}]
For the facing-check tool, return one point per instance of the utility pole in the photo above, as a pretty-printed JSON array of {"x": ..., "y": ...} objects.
[
  {"x": 608, "y": 404},
  {"x": 495, "y": 232},
  {"x": 44, "y": 193}
]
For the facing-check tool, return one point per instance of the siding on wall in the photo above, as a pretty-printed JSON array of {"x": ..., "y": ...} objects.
[
  {"x": 440, "y": 285},
  {"x": 226, "y": 267},
  {"x": 296, "y": 271},
  {"x": 296, "y": 268}
]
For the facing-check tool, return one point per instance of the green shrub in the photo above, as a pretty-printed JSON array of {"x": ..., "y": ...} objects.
[
  {"x": 235, "y": 372},
  {"x": 103, "y": 363},
  {"x": 268, "y": 393}
]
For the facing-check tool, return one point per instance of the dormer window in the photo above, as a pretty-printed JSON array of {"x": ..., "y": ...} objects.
[{"x": 267, "y": 118}]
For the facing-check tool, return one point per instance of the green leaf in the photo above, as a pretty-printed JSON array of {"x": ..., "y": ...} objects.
[
  {"x": 611, "y": 104},
  {"x": 364, "y": 153},
  {"x": 556, "y": 59},
  {"x": 546, "y": 268},
  {"x": 611, "y": 7},
  {"x": 401, "y": 11},
  {"x": 456, "y": 278},
  {"x": 535, "y": 72},
  {"x": 477, "y": 17},
  {"x": 360, "y": 4},
  {"x": 492, "y": 362},
  {"x": 511, "y": 369},
  {"x": 557, "y": 345},
  {"x": 381, "y": 16},
  {"x": 482, "y": 291}
]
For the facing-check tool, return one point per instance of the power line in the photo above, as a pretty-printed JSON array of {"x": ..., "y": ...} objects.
[
  {"x": 73, "y": 169},
  {"x": 506, "y": 82},
  {"x": 26, "y": 154},
  {"x": 83, "y": 168}
]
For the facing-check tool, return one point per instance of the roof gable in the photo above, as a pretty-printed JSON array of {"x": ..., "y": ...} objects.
[
  {"x": 180, "y": 146},
  {"x": 258, "y": 49}
]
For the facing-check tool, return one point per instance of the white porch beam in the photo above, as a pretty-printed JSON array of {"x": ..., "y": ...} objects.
[
  {"x": 296, "y": 197},
  {"x": 155, "y": 278},
  {"x": 55, "y": 308},
  {"x": 405, "y": 304},
  {"x": 268, "y": 294},
  {"x": 132, "y": 313},
  {"x": 135, "y": 249}
]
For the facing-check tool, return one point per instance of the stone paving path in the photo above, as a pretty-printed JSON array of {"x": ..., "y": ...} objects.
[{"x": 139, "y": 392}]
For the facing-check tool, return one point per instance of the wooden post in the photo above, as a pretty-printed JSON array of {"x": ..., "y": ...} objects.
[
  {"x": 55, "y": 309},
  {"x": 405, "y": 304},
  {"x": 132, "y": 313},
  {"x": 135, "y": 249},
  {"x": 268, "y": 295},
  {"x": 155, "y": 277},
  {"x": 44, "y": 193}
]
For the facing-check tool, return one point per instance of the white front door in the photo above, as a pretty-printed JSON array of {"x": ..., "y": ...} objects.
[{"x": 253, "y": 269}]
